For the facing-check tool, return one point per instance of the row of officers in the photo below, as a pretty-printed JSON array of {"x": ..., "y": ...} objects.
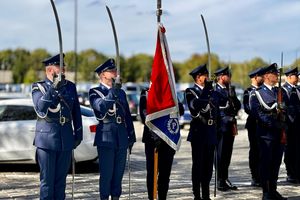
[{"x": 213, "y": 107}]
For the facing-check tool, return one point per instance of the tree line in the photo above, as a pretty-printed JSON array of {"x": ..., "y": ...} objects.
[{"x": 26, "y": 66}]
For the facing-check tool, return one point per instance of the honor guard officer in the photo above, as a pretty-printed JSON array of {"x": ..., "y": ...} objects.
[
  {"x": 58, "y": 128},
  {"x": 263, "y": 103},
  {"x": 229, "y": 106},
  {"x": 292, "y": 102},
  {"x": 115, "y": 131},
  {"x": 202, "y": 103},
  {"x": 256, "y": 77},
  {"x": 165, "y": 153}
]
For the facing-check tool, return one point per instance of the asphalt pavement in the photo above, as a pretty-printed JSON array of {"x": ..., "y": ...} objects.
[{"x": 22, "y": 181}]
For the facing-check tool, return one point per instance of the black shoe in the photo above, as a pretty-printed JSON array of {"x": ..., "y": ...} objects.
[
  {"x": 230, "y": 185},
  {"x": 268, "y": 196},
  {"x": 291, "y": 179},
  {"x": 255, "y": 183},
  {"x": 223, "y": 186},
  {"x": 278, "y": 196}
]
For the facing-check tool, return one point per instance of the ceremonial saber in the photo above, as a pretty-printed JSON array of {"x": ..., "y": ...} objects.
[
  {"x": 61, "y": 62},
  {"x": 208, "y": 47},
  {"x": 118, "y": 79},
  {"x": 61, "y": 58},
  {"x": 209, "y": 75},
  {"x": 129, "y": 176}
]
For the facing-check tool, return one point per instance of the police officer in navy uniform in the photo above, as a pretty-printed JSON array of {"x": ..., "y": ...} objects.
[
  {"x": 165, "y": 153},
  {"x": 58, "y": 128},
  {"x": 229, "y": 106},
  {"x": 297, "y": 158},
  {"x": 263, "y": 103},
  {"x": 203, "y": 105},
  {"x": 292, "y": 103},
  {"x": 256, "y": 77},
  {"x": 115, "y": 131}
]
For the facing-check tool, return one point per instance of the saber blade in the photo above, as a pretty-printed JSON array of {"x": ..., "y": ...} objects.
[
  {"x": 208, "y": 47},
  {"x": 61, "y": 61},
  {"x": 116, "y": 40}
]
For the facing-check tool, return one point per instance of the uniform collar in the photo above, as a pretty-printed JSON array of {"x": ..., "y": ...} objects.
[
  {"x": 48, "y": 82},
  {"x": 201, "y": 87},
  {"x": 291, "y": 85},
  {"x": 222, "y": 86},
  {"x": 107, "y": 87},
  {"x": 268, "y": 86},
  {"x": 254, "y": 86}
]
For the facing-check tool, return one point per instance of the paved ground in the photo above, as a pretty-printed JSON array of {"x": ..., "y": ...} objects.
[{"x": 21, "y": 184}]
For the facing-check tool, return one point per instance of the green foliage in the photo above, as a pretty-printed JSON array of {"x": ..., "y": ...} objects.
[
  {"x": 87, "y": 63},
  {"x": 194, "y": 61},
  {"x": 137, "y": 68},
  {"x": 30, "y": 76},
  {"x": 27, "y": 66}
]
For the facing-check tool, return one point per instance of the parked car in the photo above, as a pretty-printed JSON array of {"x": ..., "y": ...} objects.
[
  {"x": 17, "y": 130},
  {"x": 186, "y": 118},
  {"x": 133, "y": 102}
]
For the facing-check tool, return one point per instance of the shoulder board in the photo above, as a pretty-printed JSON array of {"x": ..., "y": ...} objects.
[{"x": 259, "y": 88}]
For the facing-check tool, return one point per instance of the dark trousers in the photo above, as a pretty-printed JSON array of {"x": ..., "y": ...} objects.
[
  {"x": 54, "y": 167},
  {"x": 202, "y": 168},
  {"x": 291, "y": 154},
  {"x": 111, "y": 166},
  {"x": 253, "y": 153},
  {"x": 165, "y": 160},
  {"x": 225, "y": 147},
  {"x": 270, "y": 159}
]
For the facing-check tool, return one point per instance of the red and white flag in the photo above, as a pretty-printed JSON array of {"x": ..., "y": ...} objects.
[{"x": 162, "y": 104}]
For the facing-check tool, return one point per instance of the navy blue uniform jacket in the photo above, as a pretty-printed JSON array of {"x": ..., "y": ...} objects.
[
  {"x": 50, "y": 105},
  {"x": 115, "y": 135}
]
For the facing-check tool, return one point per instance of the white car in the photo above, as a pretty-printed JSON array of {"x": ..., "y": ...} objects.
[{"x": 17, "y": 130}]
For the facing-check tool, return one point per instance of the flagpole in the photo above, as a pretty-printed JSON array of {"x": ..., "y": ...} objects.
[{"x": 155, "y": 163}]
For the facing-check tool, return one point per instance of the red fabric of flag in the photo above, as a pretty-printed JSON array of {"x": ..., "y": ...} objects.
[{"x": 160, "y": 95}]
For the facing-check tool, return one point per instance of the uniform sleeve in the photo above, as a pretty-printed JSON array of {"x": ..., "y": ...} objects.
[
  {"x": 236, "y": 102},
  {"x": 196, "y": 104},
  {"x": 129, "y": 122},
  {"x": 143, "y": 106},
  {"x": 246, "y": 101},
  {"x": 43, "y": 99},
  {"x": 100, "y": 102},
  {"x": 76, "y": 116},
  {"x": 256, "y": 110}
]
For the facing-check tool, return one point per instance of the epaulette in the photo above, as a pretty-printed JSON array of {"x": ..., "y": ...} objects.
[
  {"x": 41, "y": 81},
  {"x": 259, "y": 88},
  {"x": 190, "y": 89},
  {"x": 249, "y": 89}
]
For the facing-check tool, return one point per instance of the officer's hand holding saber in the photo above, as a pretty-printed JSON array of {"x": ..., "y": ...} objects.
[
  {"x": 116, "y": 86},
  {"x": 56, "y": 82}
]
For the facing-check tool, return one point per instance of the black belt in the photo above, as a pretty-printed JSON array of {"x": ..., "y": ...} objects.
[
  {"x": 62, "y": 120},
  {"x": 205, "y": 121},
  {"x": 118, "y": 120}
]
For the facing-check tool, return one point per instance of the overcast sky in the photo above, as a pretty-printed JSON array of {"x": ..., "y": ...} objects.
[{"x": 238, "y": 29}]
